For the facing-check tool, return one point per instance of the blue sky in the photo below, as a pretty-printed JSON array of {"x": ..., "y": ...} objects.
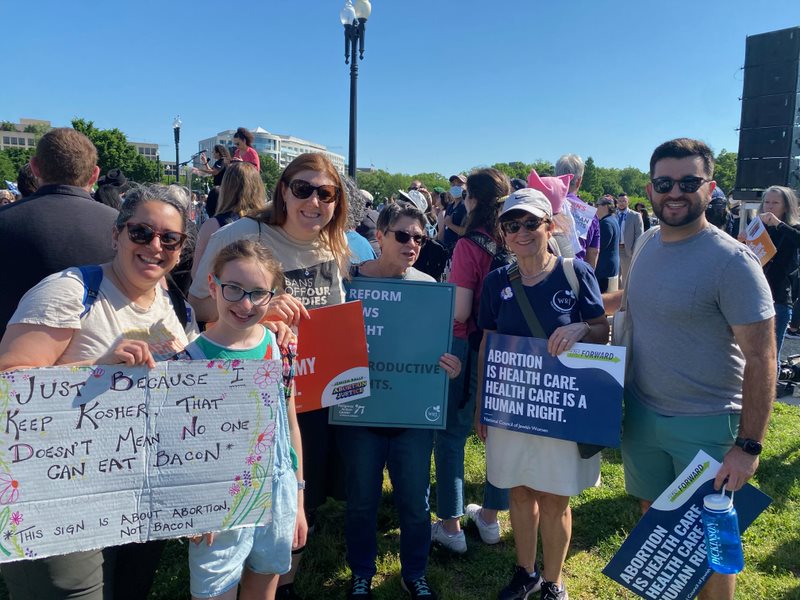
[{"x": 445, "y": 84}]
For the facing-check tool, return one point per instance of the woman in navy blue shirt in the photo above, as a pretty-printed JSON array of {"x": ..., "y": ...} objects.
[{"x": 541, "y": 472}]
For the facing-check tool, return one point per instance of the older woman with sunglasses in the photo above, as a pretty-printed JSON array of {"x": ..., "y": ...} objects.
[
  {"x": 541, "y": 472},
  {"x": 406, "y": 452},
  {"x": 304, "y": 227},
  {"x": 132, "y": 322}
]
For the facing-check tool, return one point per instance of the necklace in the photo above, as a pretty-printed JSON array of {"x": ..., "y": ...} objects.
[{"x": 544, "y": 268}]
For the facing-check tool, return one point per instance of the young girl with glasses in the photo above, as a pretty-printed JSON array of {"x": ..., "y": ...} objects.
[{"x": 243, "y": 279}]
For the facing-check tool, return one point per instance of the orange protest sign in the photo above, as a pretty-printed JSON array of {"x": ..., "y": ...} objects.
[
  {"x": 758, "y": 240},
  {"x": 331, "y": 365}
]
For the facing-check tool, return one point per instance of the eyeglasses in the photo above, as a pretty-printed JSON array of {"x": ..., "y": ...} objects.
[
  {"x": 402, "y": 237},
  {"x": 664, "y": 185},
  {"x": 234, "y": 293},
  {"x": 143, "y": 234},
  {"x": 528, "y": 224},
  {"x": 302, "y": 190}
]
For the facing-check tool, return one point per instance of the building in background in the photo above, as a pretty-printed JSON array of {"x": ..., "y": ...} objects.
[
  {"x": 283, "y": 149},
  {"x": 25, "y": 134}
]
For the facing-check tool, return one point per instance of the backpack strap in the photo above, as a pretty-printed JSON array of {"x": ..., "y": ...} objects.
[
  {"x": 483, "y": 241},
  {"x": 569, "y": 270},
  {"x": 92, "y": 278}
]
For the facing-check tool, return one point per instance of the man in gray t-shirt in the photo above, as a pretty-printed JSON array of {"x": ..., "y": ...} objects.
[{"x": 703, "y": 351}]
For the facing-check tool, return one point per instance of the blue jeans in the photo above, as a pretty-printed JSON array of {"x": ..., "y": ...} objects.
[
  {"x": 783, "y": 314},
  {"x": 449, "y": 443},
  {"x": 407, "y": 454}
]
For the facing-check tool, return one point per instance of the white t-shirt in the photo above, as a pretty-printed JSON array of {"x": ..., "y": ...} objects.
[
  {"x": 311, "y": 272},
  {"x": 57, "y": 301}
]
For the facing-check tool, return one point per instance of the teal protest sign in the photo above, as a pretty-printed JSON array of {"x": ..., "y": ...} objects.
[{"x": 409, "y": 325}]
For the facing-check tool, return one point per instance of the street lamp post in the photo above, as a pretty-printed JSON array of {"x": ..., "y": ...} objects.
[
  {"x": 354, "y": 18},
  {"x": 176, "y": 128}
]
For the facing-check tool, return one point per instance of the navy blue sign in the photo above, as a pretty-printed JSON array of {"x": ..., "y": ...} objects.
[
  {"x": 575, "y": 396},
  {"x": 664, "y": 557}
]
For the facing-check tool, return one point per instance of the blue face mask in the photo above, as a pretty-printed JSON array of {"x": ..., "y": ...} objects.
[{"x": 455, "y": 191}]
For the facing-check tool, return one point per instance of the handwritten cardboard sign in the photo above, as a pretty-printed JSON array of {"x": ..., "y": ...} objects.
[
  {"x": 758, "y": 240},
  {"x": 664, "y": 557},
  {"x": 575, "y": 396},
  {"x": 95, "y": 457},
  {"x": 332, "y": 365},
  {"x": 409, "y": 325}
]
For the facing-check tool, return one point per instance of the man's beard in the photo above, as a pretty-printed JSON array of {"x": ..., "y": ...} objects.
[{"x": 695, "y": 209}]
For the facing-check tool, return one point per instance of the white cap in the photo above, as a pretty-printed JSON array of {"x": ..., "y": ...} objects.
[
  {"x": 528, "y": 200},
  {"x": 718, "y": 502}
]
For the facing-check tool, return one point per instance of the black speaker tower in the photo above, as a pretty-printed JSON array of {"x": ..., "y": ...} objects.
[{"x": 769, "y": 135}]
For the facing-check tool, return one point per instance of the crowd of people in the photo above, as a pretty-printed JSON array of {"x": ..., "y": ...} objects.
[{"x": 706, "y": 321}]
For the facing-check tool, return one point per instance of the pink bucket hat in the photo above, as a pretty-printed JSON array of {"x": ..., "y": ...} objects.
[{"x": 554, "y": 188}]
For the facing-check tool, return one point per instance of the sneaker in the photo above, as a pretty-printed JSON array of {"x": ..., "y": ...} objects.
[
  {"x": 521, "y": 586},
  {"x": 792, "y": 333},
  {"x": 455, "y": 542},
  {"x": 360, "y": 588},
  {"x": 419, "y": 588},
  {"x": 286, "y": 592},
  {"x": 550, "y": 591},
  {"x": 489, "y": 532}
]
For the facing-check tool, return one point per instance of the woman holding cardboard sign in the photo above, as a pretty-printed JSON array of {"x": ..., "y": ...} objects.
[
  {"x": 132, "y": 321},
  {"x": 542, "y": 473}
]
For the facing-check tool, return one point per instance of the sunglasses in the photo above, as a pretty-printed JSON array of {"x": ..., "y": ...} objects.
[
  {"x": 143, "y": 234},
  {"x": 403, "y": 238},
  {"x": 302, "y": 190},
  {"x": 664, "y": 185},
  {"x": 234, "y": 293},
  {"x": 528, "y": 224}
]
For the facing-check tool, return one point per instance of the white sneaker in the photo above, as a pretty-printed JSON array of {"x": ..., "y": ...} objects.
[
  {"x": 455, "y": 542},
  {"x": 489, "y": 532}
]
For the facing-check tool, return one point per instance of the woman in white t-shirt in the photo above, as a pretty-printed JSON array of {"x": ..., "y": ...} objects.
[
  {"x": 304, "y": 227},
  {"x": 132, "y": 322}
]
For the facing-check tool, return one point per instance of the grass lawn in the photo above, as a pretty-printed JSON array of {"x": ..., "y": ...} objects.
[{"x": 601, "y": 519}]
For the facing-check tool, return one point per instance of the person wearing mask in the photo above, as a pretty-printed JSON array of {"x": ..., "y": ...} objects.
[{"x": 454, "y": 219}]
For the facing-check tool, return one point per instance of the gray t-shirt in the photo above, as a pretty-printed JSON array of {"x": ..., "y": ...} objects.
[{"x": 683, "y": 298}]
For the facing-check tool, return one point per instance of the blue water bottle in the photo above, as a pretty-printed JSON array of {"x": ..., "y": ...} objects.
[{"x": 723, "y": 542}]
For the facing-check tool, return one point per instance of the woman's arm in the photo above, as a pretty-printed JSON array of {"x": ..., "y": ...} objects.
[
  {"x": 27, "y": 346},
  {"x": 208, "y": 228}
]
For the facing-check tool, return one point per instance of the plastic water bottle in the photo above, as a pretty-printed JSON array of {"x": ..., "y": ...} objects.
[{"x": 723, "y": 542}]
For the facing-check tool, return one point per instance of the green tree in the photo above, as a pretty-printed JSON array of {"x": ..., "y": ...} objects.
[
  {"x": 543, "y": 167},
  {"x": 7, "y": 170},
  {"x": 7, "y": 126},
  {"x": 633, "y": 181},
  {"x": 725, "y": 170},
  {"x": 589, "y": 184},
  {"x": 270, "y": 173},
  {"x": 38, "y": 128},
  {"x": 432, "y": 180},
  {"x": 18, "y": 157},
  {"x": 114, "y": 151}
]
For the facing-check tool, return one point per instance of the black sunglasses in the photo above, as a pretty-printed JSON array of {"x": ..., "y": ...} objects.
[
  {"x": 234, "y": 293},
  {"x": 302, "y": 190},
  {"x": 143, "y": 234},
  {"x": 664, "y": 185},
  {"x": 528, "y": 224},
  {"x": 402, "y": 237}
]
